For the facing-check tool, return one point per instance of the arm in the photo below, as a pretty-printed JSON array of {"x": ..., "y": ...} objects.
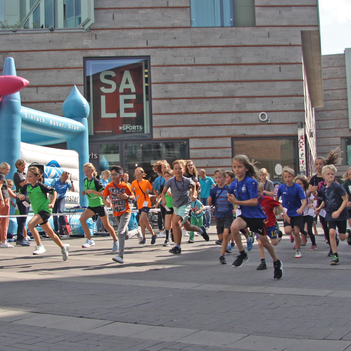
[
  {"x": 303, "y": 205},
  {"x": 12, "y": 194},
  {"x": 311, "y": 189},
  {"x": 286, "y": 217},
  {"x": 91, "y": 191},
  {"x": 106, "y": 202},
  {"x": 209, "y": 201},
  {"x": 250, "y": 202},
  {"x": 53, "y": 199},
  {"x": 163, "y": 196},
  {"x": 1, "y": 198},
  {"x": 193, "y": 192},
  {"x": 72, "y": 188}
]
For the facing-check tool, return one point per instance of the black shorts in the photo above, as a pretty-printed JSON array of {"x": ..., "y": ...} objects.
[
  {"x": 98, "y": 210},
  {"x": 223, "y": 223},
  {"x": 256, "y": 225},
  {"x": 170, "y": 212},
  {"x": 144, "y": 209},
  {"x": 341, "y": 225},
  {"x": 44, "y": 215},
  {"x": 294, "y": 221}
]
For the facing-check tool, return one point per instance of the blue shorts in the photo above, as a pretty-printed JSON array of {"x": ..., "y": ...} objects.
[
  {"x": 144, "y": 209},
  {"x": 272, "y": 232},
  {"x": 182, "y": 211}
]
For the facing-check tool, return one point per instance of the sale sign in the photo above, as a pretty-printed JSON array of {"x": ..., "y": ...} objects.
[{"x": 118, "y": 94}]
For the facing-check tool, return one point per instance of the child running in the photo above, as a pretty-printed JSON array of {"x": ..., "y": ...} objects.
[
  {"x": 119, "y": 194},
  {"x": 93, "y": 190},
  {"x": 268, "y": 205},
  {"x": 250, "y": 214},
  {"x": 294, "y": 201},
  {"x": 223, "y": 210},
  {"x": 42, "y": 208},
  {"x": 141, "y": 188},
  {"x": 196, "y": 217},
  {"x": 182, "y": 188},
  {"x": 335, "y": 201},
  {"x": 168, "y": 174}
]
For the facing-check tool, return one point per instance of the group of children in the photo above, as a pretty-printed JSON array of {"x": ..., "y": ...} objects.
[{"x": 241, "y": 201}]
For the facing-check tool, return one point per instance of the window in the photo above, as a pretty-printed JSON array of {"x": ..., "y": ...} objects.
[
  {"x": 222, "y": 13},
  {"x": 118, "y": 91},
  {"x": 346, "y": 151},
  {"x": 52, "y": 14},
  {"x": 270, "y": 153}
]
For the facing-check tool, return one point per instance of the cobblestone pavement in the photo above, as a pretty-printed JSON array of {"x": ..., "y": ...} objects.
[{"x": 157, "y": 301}]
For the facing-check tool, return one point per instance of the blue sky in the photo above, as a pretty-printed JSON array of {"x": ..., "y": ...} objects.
[{"x": 335, "y": 23}]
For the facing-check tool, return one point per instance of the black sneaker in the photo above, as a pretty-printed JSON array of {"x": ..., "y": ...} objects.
[
  {"x": 232, "y": 244},
  {"x": 262, "y": 266},
  {"x": 278, "y": 270},
  {"x": 330, "y": 254},
  {"x": 349, "y": 237},
  {"x": 335, "y": 261},
  {"x": 222, "y": 260},
  {"x": 153, "y": 239},
  {"x": 218, "y": 242},
  {"x": 240, "y": 259},
  {"x": 204, "y": 234},
  {"x": 175, "y": 250}
]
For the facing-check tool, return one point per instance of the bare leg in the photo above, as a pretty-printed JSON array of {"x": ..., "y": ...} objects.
[{"x": 83, "y": 221}]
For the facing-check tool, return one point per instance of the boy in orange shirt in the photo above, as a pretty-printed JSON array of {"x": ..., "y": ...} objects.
[{"x": 119, "y": 194}]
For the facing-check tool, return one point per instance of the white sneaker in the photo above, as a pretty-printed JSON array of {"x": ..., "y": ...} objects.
[
  {"x": 185, "y": 233},
  {"x": 88, "y": 243},
  {"x": 39, "y": 249},
  {"x": 118, "y": 259},
  {"x": 161, "y": 234},
  {"x": 64, "y": 251},
  {"x": 115, "y": 246},
  {"x": 5, "y": 245},
  {"x": 298, "y": 254}
]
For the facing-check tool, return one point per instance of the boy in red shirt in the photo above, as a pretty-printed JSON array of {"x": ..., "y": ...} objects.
[
  {"x": 119, "y": 194},
  {"x": 268, "y": 205}
]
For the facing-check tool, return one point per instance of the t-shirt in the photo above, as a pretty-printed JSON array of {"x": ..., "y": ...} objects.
[
  {"x": 291, "y": 196},
  {"x": 119, "y": 206},
  {"x": 169, "y": 200},
  {"x": 332, "y": 197},
  {"x": 246, "y": 189},
  {"x": 195, "y": 206},
  {"x": 5, "y": 187},
  {"x": 320, "y": 182},
  {"x": 268, "y": 185},
  {"x": 268, "y": 204},
  {"x": 159, "y": 181},
  {"x": 61, "y": 188},
  {"x": 18, "y": 178},
  {"x": 223, "y": 208},
  {"x": 38, "y": 196},
  {"x": 180, "y": 190},
  {"x": 140, "y": 189},
  {"x": 206, "y": 185},
  {"x": 93, "y": 184}
]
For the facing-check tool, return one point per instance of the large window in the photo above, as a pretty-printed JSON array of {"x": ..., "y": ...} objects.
[
  {"x": 270, "y": 153},
  {"x": 222, "y": 13},
  {"x": 119, "y": 94},
  {"x": 346, "y": 151},
  {"x": 50, "y": 14}
]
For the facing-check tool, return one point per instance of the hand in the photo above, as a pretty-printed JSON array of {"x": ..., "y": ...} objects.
[
  {"x": 314, "y": 188},
  {"x": 51, "y": 205},
  {"x": 163, "y": 203},
  {"x": 299, "y": 211},
  {"x": 286, "y": 218},
  {"x": 335, "y": 214},
  {"x": 231, "y": 198},
  {"x": 21, "y": 197},
  {"x": 83, "y": 192},
  {"x": 317, "y": 209},
  {"x": 88, "y": 191},
  {"x": 123, "y": 196}
]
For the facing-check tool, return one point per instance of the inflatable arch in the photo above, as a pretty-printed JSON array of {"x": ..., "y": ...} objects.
[{"x": 22, "y": 124}]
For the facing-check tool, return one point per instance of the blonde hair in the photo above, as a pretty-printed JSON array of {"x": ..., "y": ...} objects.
[
  {"x": 37, "y": 172},
  {"x": 158, "y": 166},
  {"x": 4, "y": 165},
  {"x": 19, "y": 162},
  {"x": 221, "y": 171},
  {"x": 91, "y": 166},
  {"x": 345, "y": 176},
  {"x": 106, "y": 172},
  {"x": 170, "y": 172},
  {"x": 250, "y": 165},
  {"x": 182, "y": 163},
  {"x": 186, "y": 168},
  {"x": 289, "y": 170},
  {"x": 331, "y": 167},
  {"x": 264, "y": 171},
  {"x": 10, "y": 183}
]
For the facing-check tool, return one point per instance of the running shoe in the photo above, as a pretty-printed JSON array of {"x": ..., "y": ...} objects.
[
  {"x": 218, "y": 242},
  {"x": 142, "y": 241},
  {"x": 232, "y": 244},
  {"x": 115, "y": 246},
  {"x": 330, "y": 253},
  {"x": 191, "y": 241},
  {"x": 6, "y": 245},
  {"x": 118, "y": 259},
  {"x": 22, "y": 243},
  {"x": 314, "y": 247},
  {"x": 262, "y": 266},
  {"x": 335, "y": 261},
  {"x": 222, "y": 260},
  {"x": 349, "y": 237},
  {"x": 278, "y": 270},
  {"x": 291, "y": 238},
  {"x": 298, "y": 254},
  {"x": 240, "y": 260},
  {"x": 88, "y": 243},
  {"x": 204, "y": 233},
  {"x": 39, "y": 249},
  {"x": 161, "y": 234},
  {"x": 228, "y": 249},
  {"x": 249, "y": 243},
  {"x": 175, "y": 250},
  {"x": 153, "y": 239},
  {"x": 303, "y": 240},
  {"x": 166, "y": 243},
  {"x": 64, "y": 251}
]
